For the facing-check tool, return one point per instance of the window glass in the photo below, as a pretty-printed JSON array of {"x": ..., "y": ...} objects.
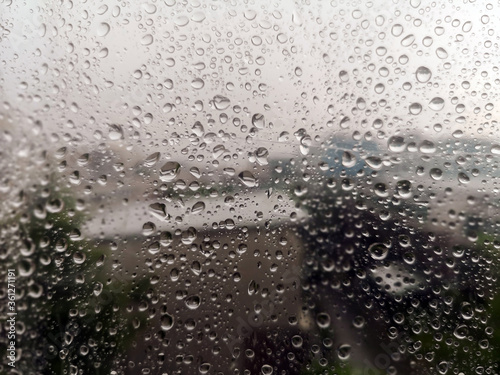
[{"x": 225, "y": 187}]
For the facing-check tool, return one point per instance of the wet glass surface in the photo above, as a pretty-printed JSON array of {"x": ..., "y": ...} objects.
[{"x": 249, "y": 187}]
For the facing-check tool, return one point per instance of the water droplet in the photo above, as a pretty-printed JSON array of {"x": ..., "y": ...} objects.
[
  {"x": 115, "y": 132},
  {"x": 261, "y": 156},
  {"x": 427, "y": 147},
  {"x": 378, "y": 251},
  {"x": 197, "y": 83},
  {"x": 415, "y": 108},
  {"x": 348, "y": 159},
  {"x": 381, "y": 190},
  {"x": 323, "y": 320},
  {"x": 181, "y": 21},
  {"x": 466, "y": 310},
  {"x": 285, "y": 136},
  {"x": 169, "y": 171},
  {"x": 461, "y": 332},
  {"x": 189, "y": 236},
  {"x": 467, "y": 26},
  {"x": 198, "y": 207},
  {"x": 374, "y": 162},
  {"x": 442, "y": 367},
  {"x": 436, "y": 174},
  {"x": 103, "y": 29},
  {"x": 423, "y": 74},
  {"x": 159, "y": 210},
  {"x": 154, "y": 248},
  {"x": 441, "y": 53},
  {"x": 266, "y": 370},
  {"x": 193, "y": 302},
  {"x": 221, "y": 102},
  {"x": 167, "y": 322},
  {"x": 344, "y": 352},
  {"x": 436, "y": 104},
  {"x": 408, "y": 40},
  {"x": 463, "y": 178},
  {"x": 148, "y": 228},
  {"x": 147, "y": 40},
  {"x": 397, "y": 30},
  {"x": 396, "y": 144},
  {"x": 297, "y": 341},
  {"x": 152, "y": 159},
  {"x": 495, "y": 149},
  {"x": 258, "y": 121},
  {"x": 248, "y": 179},
  {"x": 198, "y": 16}
]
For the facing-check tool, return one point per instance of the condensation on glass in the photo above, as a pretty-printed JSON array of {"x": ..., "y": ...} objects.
[{"x": 225, "y": 187}]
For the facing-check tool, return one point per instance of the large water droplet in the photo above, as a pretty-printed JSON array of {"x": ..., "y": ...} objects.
[
  {"x": 427, "y": 147},
  {"x": 495, "y": 149},
  {"x": 152, "y": 159},
  {"x": 169, "y": 171},
  {"x": 103, "y": 29},
  {"x": 221, "y": 102},
  {"x": 167, "y": 322},
  {"x": 344, "y": 352},
  {"x": 261, "y": 156},
  {"x": 436, "y": 174},
  {"x": 378, "y": 251},
  {"x": 415, "y": 108},
  {"x": 197, "y": 83},
  {"x": 147, "y": 40},
  {"x": 423, "y": 74},
  {"x": 258, "y": 121},
  {"x": 198, "y": 207},
  {"x": 247, "y": 178},
  {"x": 463, "y": 178},
  {"x": 115, "y": 132},
  {"x": 441, "y": 53},
  {"x": 323, "y": 320},
  {"x": 193, "y": 302},
  {"x": 436, "y": 104},
  {"x": 348, "y": 159},
  {"x": 396, "y": 144}
]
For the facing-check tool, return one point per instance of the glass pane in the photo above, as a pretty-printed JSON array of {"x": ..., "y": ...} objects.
[{"x": 249, "y": 187}]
